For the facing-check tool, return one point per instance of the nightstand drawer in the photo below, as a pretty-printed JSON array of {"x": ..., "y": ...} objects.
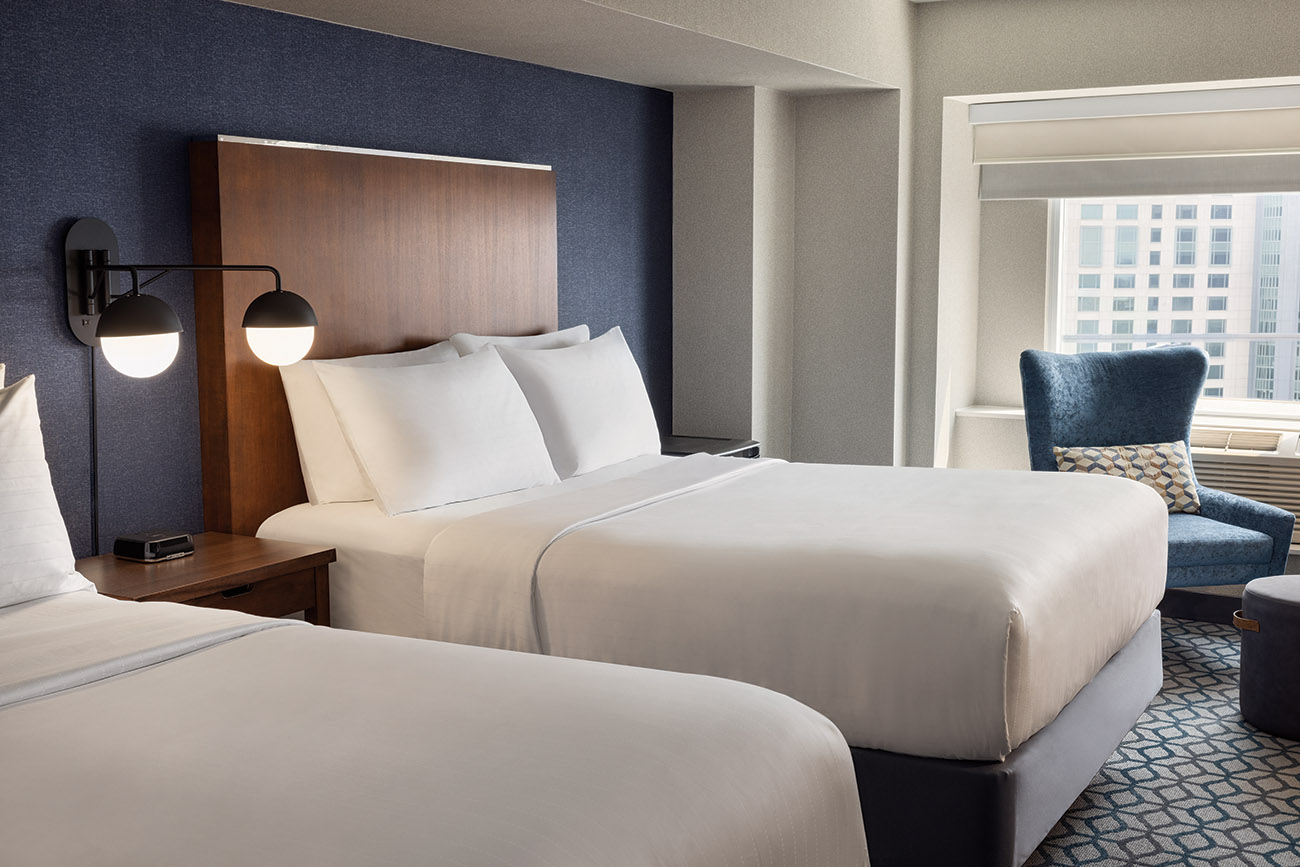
[{"x": 271, "y": 597}]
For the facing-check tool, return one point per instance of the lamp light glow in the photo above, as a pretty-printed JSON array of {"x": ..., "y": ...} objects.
[
  {"x": 281, "y": 346},
  {"x": 141, "y": 356}
]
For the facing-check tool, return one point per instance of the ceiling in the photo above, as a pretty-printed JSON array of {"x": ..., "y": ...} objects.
[{"x": 579, "y": 36}]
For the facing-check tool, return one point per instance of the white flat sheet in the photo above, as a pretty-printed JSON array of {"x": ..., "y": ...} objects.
[
  {"x": 377, "y": 583},
  {"x": 945, "y": 613},
  {"x": 316, "y": 746}
]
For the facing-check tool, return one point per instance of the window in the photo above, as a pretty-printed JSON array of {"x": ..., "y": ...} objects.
[
  {"x": 1153, "y": 257},
  {"x": 1153, "y": 281},
  {"x": 1155, "y": 236},
  {"x": 1089, "y": 304},
  {"x": 1184, "y": 281},
  {"x": 1122, "y": 304},
  {"x": 1216, "y": 326},
  {"x": 1153, "y": 326},
  {"x": 1121, "y": 347},
  {"x": 1121, "y": 326},
  {"x": 1216, "y": 372},
  {"x": 1090, "y": 246},
  {"x": 1220, "y": 212},
  {"x": 1090, "y": 212},
  {"x": 1184, "y": 248},
  {"x": 1216, "y": 391},
  {"x": 1086, "y": 326},
  {"x": 1181, "y": 326},
  {"x": 1153, "y": 303},
  {"x": 1214, "y": 350},
  {"x": 1089, "y": 281},
  {"x": 1125, "y": 281},
  {"x": 1220, "y": 246},
  {"x": 1157, "y": 212},
  {"x": 1126, "y": 212},
  {"x": 1126, "y": 246},
  {"x": 1087, "y": 347},
  {"x": 1185, "y": 212},
  {"x": 1217, "y": 302},
  {"x": 1217, "y": 281},
  {"x": 1182, "y": 302}
]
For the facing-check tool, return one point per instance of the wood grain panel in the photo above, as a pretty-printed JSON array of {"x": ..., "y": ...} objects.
[{"x": 393, "y": 253}]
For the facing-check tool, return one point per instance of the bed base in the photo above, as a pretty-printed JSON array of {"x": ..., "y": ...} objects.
[{"x": 923, "y": 812}]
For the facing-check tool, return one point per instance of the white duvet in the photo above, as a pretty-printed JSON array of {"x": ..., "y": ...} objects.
[
  {"x": 943, "y": 613},
  {"x": 156, "y": 734}
]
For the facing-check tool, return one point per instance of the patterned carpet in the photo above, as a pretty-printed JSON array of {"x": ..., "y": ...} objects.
[{"x": 1192, "y": 783}]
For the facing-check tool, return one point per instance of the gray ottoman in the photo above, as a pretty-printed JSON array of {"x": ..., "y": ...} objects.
[{"x": 1270, "y": 654}]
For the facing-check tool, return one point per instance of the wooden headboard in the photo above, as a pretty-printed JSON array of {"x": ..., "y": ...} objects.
[{"x": 393, "y": 251}]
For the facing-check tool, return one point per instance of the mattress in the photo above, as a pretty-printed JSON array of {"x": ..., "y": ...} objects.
[
  {"x": 943, "y": 613},
  {"x": 210, "y": 738}
]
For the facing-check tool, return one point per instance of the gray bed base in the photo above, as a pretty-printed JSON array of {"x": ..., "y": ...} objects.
[{"x": 923, "y": 812}]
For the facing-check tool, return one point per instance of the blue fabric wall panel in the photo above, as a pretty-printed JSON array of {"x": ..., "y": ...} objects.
[{"x": 100, "y": 101}]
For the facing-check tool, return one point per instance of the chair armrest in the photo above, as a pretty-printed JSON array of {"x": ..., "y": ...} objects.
[{"x": 1253, "y": 515}]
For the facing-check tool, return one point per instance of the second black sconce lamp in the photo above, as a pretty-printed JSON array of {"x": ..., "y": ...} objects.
[{"x": 140, "y": 334}]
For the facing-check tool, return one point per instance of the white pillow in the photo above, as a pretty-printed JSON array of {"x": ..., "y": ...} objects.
[
  {"x": 438, "y": 433},
  {"x": 2, "y": 376},
  {"x": 35, "y": 555},
  {"x": 468, "y": 344},
  {"x": 590, "y": 401},
  {"x": 328, "y": 467}
]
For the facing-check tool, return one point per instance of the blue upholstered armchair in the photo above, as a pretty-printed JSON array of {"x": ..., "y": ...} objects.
[{"x": 1147, "y": 396}]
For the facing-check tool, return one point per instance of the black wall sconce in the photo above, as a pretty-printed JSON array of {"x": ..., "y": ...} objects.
[{"x": 140, "y": 334}]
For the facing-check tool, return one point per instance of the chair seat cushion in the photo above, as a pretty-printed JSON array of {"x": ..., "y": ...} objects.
[{"x": 1198, "y": 541}]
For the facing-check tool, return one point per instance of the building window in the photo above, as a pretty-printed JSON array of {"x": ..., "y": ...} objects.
[
  {"x": 1126, "y": 246},
  {"x": 1215, "y": 372},
  {"x": 1214, "y": 350},
  {"x": 1221, "y": 246},
  {"x": 1121, "y": 347},
  {"x": 1089, "y": 304},
  {"x": 1153, "y": 257},
  {"x": 1181, "y": 326},
  {"x": 1126, "y": 212},
  {"x": 1125, "y": 281},
  {"x": 1216, "y": 326},
  {"x": 1153, "y": 281},
  {"x": 1184, "y": 281},
  {"x": 1155, "y": 236},
  {"x": 1217, "y": 281},
  {"x": 1090, "y": 212},
  {"x": 1090, "y": 246},
  {"x": 1182, "y": 303},
  {"x": 1153, "y": 326},
  {"x": 1086, "y": 326},
  {"x": 1184, "y": 248},
  {"x": 1184, "y": 212},
  {"x": 1087, "y": 347},
  {"x": 1220, "y": 212},
  {"x": 1121, "y": 326},
  {"x": 1153, "y": 303},
  {"x": 1157, "y": 212},
  {"x": 1122, "y": 304},
  {"x": 1217, "y": 302},
  {"x": 1216, "y": 391},
  {"x": 1089, "y": 281}
]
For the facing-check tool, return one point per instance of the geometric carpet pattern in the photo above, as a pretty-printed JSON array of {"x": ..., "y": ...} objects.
[{"x": 1193, "y": 783}]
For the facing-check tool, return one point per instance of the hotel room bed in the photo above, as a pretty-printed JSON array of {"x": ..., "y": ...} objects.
[{"x": 153, "y": 733}]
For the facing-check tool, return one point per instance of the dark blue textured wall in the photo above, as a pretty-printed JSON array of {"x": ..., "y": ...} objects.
[{"x": 99, "y": 101}]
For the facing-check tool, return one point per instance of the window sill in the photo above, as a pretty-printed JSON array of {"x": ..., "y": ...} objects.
[{"x": 1220, "y": 413}]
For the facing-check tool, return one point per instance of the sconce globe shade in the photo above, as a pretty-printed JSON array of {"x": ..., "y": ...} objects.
[
  {"x": 280, "y": 327},
  {"x": 143, "y": 355},
  {"x": 280, "y": 346},
  {"x": 139, "y": 335}
]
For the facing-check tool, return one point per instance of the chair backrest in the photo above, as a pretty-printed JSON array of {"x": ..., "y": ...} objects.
[{"x": 1109, "y": 398}]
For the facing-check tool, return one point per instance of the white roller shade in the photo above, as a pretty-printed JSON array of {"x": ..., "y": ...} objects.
[{"x": 1066, "y": 180}]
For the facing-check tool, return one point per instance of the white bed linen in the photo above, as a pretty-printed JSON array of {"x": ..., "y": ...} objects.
[
  {"x": 326, "y": 747},
  {"x": 377, "y": 583},
  {"x": 944, "y": 613}
]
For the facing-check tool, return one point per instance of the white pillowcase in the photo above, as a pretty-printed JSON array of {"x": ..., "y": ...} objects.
[
  {"x": 35, "y": 555},
  {"x": 438, "y": 433},
  {"x": 468, "y": 344},
  {"x": 328, "y": 467},
  {"x": 590, "y": 401}
]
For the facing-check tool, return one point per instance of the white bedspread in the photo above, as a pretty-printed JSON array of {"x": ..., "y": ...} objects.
[
  {"x": 315, "y": 746},
  {"x": 943, "y": 613}
]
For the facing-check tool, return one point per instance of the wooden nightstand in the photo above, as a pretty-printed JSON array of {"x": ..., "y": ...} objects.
[
  {"x": 256, "y": 576},
  {"x": 679, "y": 446}
]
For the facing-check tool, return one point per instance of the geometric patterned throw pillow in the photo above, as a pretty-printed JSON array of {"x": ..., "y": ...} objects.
[{"x": 1163, "y": 466}]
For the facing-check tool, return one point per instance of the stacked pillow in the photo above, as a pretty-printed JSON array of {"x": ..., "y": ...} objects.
[{"x": 507, "y": 413}]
